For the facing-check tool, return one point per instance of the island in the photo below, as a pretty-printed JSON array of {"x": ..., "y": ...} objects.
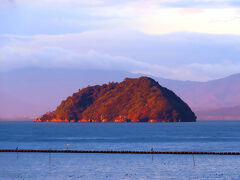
[{"x": 132, "y": 100}]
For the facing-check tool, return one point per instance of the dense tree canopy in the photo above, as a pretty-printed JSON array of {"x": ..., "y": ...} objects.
[{"x": 133, "y": 100}]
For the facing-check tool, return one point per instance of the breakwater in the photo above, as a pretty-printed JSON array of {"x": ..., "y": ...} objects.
[{"x": 115, "y": 152}]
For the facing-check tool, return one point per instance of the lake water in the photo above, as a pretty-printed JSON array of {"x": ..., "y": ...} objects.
[{"x": 200, "y": 136}]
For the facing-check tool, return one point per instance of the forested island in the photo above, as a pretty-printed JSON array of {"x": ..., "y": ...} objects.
[{"x": 132, "y": 100}]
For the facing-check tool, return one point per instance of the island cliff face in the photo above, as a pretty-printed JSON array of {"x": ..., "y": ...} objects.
[{"x": 133, "y": 100}]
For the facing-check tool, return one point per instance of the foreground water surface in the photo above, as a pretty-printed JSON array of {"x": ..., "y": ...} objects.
[{"x": 199, "y": 136}]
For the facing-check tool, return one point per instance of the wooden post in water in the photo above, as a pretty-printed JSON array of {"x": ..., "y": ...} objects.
[
  {"x": 152, "y": 154},
  {"x": 49, "y": 160},
  {"x": 17, "y": 152},
  {"x": 194, "y": 164}
]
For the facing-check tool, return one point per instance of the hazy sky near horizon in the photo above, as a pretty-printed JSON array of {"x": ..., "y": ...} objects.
[{"x": 177, "y": 39}]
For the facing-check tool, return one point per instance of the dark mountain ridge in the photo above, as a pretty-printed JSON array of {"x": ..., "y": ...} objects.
[{"x": 133, "y": 100}]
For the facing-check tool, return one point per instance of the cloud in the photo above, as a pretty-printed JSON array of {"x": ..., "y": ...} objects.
[
  {"x": 13, "y": 58},
  {"x": 154, "y": 37},
  {"x": 60, "y": 58},
  {"x": 169, "y": 49},
  {"x": 168, "y": 3},
  {"x": 187, "y": 11},
  {"x": 201, "y": 3},
  {"x": 185, "y": 56},
  {"x": 151, "y": 17}
]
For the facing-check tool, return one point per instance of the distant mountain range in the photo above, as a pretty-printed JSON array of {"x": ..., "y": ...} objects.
[
  {"x": 223, "y": 92},
  {"x": 30, "y": 92},
  {"x": 227, "y": 113},
  {"x": 213, "y": 100}
]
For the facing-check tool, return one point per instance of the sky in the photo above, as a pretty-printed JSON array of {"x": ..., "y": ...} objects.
[{"x": 195, "y": 40}]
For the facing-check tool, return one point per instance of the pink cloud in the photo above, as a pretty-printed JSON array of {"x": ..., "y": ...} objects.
[
  {"x": 238, "y": 10},
  {"x": 149, "y": 3},
  {"x": 186, "y": 11},
  {"x": 142, "y": 4}
]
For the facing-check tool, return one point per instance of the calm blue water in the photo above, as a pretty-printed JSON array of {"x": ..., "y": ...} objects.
[{"x": 200, "y": 136}]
